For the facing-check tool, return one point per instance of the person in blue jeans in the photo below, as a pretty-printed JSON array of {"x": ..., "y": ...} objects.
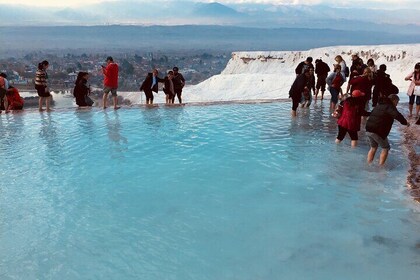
[{"x": 334, "y": 81}]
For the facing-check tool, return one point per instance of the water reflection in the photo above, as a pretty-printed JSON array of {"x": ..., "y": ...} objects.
[
  {"x": 48, "y": 133},
  {"x": 152, "y": 117},
  {"x": 85, "y": 121},
  {"x": 118, "y": 141}
]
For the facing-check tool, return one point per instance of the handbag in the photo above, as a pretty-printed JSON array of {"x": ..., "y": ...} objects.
[{"x": 416, "y": 90}]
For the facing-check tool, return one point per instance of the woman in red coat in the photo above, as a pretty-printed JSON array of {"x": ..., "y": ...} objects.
[
  {"x": 351, "y": 118},
  {"x": 14, "y": 99}
]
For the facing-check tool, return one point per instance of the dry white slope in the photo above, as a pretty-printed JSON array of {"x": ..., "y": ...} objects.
[{"x": 268, "y": 75}]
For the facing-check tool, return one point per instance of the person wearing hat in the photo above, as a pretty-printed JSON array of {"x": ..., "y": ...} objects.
[
  {"x": 379, "y": 125},
  {"x": 179, "y": 83},
  {"x": 351, "y": 117},
  {"x": 110, "y": 72}
]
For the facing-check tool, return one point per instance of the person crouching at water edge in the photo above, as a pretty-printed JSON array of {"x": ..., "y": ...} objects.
[
  {"x": 82, "y": 90},
  {"x": 150, "y": 85},
  {"x": 334, "y": 81},
  {"x": 299, "y": 86},
  {"x": 14, "y": 99},
  {"x": 379, "y": 125},
  {"x": 110, "y": 72},
  {"x": 351, "y": 117}
]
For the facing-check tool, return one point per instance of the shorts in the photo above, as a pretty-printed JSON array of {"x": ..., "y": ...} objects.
[
  {"x": 321, "y": 82},
  {"x": 342, "y": 133},
  {"x": 42, "y": 91},
  {"x": 110, "y": 89},
  {"x": 376, "y": 140},
  {"x": 412, "y": 98}
]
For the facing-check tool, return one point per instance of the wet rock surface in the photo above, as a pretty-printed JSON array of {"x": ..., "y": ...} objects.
[{"x": 411, "y": 141}]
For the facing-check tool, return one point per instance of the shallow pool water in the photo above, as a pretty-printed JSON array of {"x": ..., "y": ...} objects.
[{"x": 235, "y": 191}]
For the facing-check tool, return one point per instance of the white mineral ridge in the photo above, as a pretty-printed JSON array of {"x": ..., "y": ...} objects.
[{"x": 269, "y": 75}]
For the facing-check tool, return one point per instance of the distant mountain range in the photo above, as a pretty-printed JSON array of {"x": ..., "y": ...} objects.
[
  {"x": 182, "y": 12},
  {"x": 184, "y": 37}
]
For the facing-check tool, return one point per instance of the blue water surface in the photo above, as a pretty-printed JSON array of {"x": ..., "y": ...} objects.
[{"x": 235, "y": 191}]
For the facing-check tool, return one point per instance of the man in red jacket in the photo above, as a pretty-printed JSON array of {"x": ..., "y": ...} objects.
[{"x": 110, "y": 82}]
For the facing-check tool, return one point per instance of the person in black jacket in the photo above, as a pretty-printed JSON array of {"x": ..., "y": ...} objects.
[
  {"x": 383, "y": 85},
  {"x": 150, "y": 85},
  {"x": 82, "y": 90},
  {"x": 299, "y": 86},
  {"x": 179, "y": 83},
  {"x": 304, "y": 65},
  {"x": 379, "y": 125},
  {"x": 321, "y": 71}
]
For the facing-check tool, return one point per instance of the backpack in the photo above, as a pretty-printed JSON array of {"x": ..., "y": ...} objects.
[{"x": 347, "y": 71}]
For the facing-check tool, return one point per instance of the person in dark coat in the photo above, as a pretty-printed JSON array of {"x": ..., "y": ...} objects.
[
  {"x": 321, "y": 71},
  {"x": 150, "y": 85},
  {"x": 179, "y": 83},
  {"x": 379, "y": 125},
  {"x": 383, "y": 85},
  {"x": 82, "y": 90},
  {"x": 299, "y": 86},
  {"x": 304, "y": 65},
  {"x": 169, "y": 88}
]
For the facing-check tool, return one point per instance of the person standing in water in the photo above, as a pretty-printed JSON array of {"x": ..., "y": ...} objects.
[
  {"x": 321, "y": 71},
  {"x": 299, "y": 86},
  {"x": 41, "y": 86},
  {"x": 150, "y": 85},
  {"x": 379, "y": 125},
  {"x": 335, "y": 80},
  {"x": 110, "y": 72},
  {"x": 179, "y": 83},
  {"x": 414, "y": 77}
]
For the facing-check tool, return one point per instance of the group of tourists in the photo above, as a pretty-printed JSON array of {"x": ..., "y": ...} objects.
[
  {"x": 173, "y": 85},
  {"x": 365, "y": 83},
  {"x": 173, "y": 82}
]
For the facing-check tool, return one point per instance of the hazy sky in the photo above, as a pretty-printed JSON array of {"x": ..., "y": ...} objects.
[{"x": 385, "y": 4}]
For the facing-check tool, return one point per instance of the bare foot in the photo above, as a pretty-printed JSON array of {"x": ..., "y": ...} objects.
[
  {"x": 116, "y": 107},
  {"x": 41, "y": 110}
]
